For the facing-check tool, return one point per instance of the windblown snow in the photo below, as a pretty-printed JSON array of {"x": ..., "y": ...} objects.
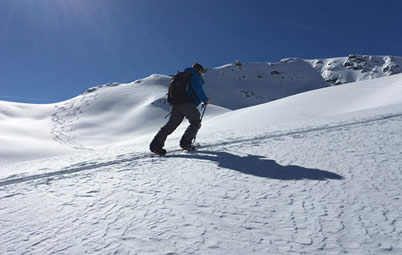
[{"x": 288, "y": 165}]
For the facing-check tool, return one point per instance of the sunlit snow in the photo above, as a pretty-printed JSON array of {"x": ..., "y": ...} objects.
[{"x": 289, "y": 164}]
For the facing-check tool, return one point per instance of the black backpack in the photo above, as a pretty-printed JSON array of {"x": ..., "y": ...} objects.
[{"x": 179, "y": 89}]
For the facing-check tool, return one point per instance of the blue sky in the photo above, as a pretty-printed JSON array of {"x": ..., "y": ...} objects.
[{"x": 53, "y": 50}]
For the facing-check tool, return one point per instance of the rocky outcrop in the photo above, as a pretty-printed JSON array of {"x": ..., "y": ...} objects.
[{"x": 356, "y": 67}]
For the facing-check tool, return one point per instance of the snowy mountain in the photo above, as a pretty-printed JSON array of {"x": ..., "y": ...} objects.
[
  {"x": 289, "y": 165},
  {"x": 120, "y": 113},
  {"x": 356, "y": 68},
  {"x": 239, "y": 85},
  {"x": 318, "y": 172},
  {"x": 103, "y": 115}
]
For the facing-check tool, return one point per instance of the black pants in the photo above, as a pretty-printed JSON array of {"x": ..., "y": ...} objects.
[{"x": 177, "y": 115}]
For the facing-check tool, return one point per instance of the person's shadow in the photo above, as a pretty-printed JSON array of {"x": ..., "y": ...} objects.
[{"x": 260, "y": 166}]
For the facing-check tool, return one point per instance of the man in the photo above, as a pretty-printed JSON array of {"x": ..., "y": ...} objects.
[{"x": 181, "y": 110}]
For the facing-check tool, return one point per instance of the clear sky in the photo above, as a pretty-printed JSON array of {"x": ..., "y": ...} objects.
[{"x": 53, "y": 50}]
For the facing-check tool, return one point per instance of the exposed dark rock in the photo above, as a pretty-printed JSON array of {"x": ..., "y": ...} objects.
[
  {"x": 91, "y": 90},
  {"x": 391, "y": 69},
  {"x": 112, "y": 84},
  {"x": 332, "y": 80}
]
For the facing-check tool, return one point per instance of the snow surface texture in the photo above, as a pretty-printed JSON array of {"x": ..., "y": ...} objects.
[{"x": 314, "y": 173}]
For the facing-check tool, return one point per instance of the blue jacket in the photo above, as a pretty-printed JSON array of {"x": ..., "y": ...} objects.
[{"x": 196, "y": 86}]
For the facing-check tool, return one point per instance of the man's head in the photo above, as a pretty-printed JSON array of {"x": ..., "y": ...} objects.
[{"x": 199, "y": 68}]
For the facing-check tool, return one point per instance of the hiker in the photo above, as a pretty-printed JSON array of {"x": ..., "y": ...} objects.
[{"x": 183, "y": 105}]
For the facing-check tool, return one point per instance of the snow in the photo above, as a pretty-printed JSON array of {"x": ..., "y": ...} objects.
[
  {"x": 126, "y": 113},
  {"x": 101, "y": 116},
  {"x": 246, "y": 84},
  {"x": 317, "y": 172},
  {"x": 356, "y": 68},
  {"x": 365, "y": 99}
]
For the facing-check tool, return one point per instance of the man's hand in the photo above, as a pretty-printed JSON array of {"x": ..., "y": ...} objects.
[{"x": 209, "y": 101}]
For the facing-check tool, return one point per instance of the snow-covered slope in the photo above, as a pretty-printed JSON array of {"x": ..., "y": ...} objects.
[
  {"x": 315, "y": 173},
  {"x": 356, "y": 68},
  {"x": 239, "y": 85},
  {"x": 121, "y": 113},
  {"x": 366, "y": 99},
  {"x": 26, "y": 132},
  {"x": 125, "y": 113},
  {"x": 103, "y": 115}
]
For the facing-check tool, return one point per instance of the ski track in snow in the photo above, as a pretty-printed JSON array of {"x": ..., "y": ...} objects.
[
  {"x": 64, "y": 118},
  {"x": 275, "y": 194}
]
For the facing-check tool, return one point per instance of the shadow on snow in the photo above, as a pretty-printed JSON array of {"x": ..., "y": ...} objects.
[
  {"x": 250, "y": 164},
  {"x": 260, "y": 166}
]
